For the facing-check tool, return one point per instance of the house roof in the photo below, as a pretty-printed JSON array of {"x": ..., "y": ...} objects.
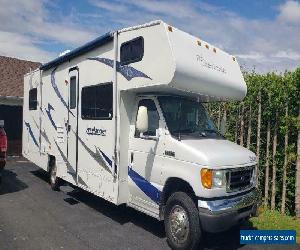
[{"x": 12, "y": 71}]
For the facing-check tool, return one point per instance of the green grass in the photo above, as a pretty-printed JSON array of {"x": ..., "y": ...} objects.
[{"x": 268, "y": 220}]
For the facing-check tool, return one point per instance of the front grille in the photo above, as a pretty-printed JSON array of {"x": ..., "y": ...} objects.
[{"x": 239, "y": 179}]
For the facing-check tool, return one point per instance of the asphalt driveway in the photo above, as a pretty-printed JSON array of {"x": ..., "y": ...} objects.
[{"x": 32, "y": 216}]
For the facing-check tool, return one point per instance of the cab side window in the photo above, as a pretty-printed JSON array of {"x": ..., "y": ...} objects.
[{"x": 153, "y": 117}]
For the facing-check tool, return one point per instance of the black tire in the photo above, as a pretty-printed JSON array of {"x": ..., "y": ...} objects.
[
  {"x": 53, "y": 179},
  {"x": 180, "y": 205}
]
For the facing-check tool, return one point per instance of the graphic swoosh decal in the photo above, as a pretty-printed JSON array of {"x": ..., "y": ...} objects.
[
  {"x": 98, "y": 157},
  {"x": 148, "y": 189},
  {"x": 35, "y": 123},
  {"x": 48, "y": 111},
  {"x": 70, "y": 169},
  {"x": 54, "y": 86},
  {"x": 127, "y": 71},
  {"x": 43, "y": 133},
  {"x": 104, "y": 157},
  {"x": 31, "y": 134}
]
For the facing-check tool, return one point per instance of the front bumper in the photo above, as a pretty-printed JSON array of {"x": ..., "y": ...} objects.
[{"x": 221, "y": 214}]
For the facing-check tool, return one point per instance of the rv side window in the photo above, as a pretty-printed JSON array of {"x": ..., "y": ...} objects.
[
  {"x": 132, "y": 51},
  {"x": 73, "y": 92},
  {"x": 97, "y": 102},
  {"x": 33, "y": 99},
  {"x": 153, "y": 117}
]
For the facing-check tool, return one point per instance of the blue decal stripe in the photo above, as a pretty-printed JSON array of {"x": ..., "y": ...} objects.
[
  {"x": 31, "y": 134},
  {"x": 54, "y": 86},
  {"x": 53, "y": 83},
  {"x": 48, "y": 111},
  {"x": 127, "y": 71},
  {"x": 151, "y": 191},
  {"x": 109, "y": 161}
]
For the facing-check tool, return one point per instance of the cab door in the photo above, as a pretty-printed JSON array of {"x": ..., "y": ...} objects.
[
  {"x": 144, "y": 169},
  {"x": 72, "y": 132}
]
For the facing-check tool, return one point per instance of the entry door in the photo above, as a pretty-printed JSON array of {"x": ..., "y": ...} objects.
[
  {"x": 144, "y": 172},
  {"x": 72, "y": 122}
]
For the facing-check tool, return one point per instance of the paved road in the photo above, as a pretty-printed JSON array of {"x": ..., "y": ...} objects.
[{"x": 34, "y": 217}]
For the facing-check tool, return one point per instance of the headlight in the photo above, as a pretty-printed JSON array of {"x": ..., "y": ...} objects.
[
  {"x": 213, "y": 178},
  {"x": 219, "y": 179}
]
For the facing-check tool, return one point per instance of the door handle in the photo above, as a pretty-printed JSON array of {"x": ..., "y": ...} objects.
[{"x": 69, "y": 127}]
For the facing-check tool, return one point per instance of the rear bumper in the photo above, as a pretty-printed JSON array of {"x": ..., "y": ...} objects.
[{"x": 221, "y": 214}]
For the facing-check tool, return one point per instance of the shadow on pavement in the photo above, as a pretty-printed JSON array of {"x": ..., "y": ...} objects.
[
  {"x": 225, "y": 240},
  {"x": 122, "y": 215},
  {"x": 228, "y": 240},
  {"x": 10, "y": 183},
  {"x": 40, "y": 173}
]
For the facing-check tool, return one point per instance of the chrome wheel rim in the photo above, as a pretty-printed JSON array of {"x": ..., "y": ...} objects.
[{"x": 179, "y": 224}]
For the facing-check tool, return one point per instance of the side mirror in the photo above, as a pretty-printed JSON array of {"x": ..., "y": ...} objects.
[
  {"x": 223, "y": 126},
  {"x": 142, "y": 119}
]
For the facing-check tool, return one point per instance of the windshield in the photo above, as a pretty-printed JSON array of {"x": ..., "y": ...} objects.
[{"x": 187, "y": 117}]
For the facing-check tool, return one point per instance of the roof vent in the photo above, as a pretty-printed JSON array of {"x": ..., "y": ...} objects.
[{"x": 64, "y": 52}]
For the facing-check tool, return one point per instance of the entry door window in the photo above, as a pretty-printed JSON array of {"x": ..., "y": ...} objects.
[
  {"x": 73, "y": 92},
  {"x": 153, "y": 117}
]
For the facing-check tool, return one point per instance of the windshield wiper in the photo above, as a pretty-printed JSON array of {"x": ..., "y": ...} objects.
[
  {"x": 213, "y": 131},
  {"x": 187, "y": 132},
  {"x": 183, "y": 131}
]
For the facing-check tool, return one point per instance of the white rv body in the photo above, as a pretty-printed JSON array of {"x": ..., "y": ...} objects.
[{"x": 104, "y": 156}]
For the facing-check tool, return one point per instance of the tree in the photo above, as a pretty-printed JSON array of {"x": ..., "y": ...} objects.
[
  {"x": 237, "y": 125},
  {"x": 273, "y": 194},
  {"x": 249, "y": 127},
  {"x": 242, "y": 125},
  {"x": 258, "y": 134},
  {"x": 296, "y": 94},
  {"x": 285, "y": 165},
  {"x": 267, "y": 171},
  {"x": 297, "y": 189},
  {"x": 277, "y": 137},
  {"x": 219, "y": 117}
]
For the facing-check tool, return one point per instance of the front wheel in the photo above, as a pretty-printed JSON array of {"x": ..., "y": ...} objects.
[{"x": 182, "y": 223}]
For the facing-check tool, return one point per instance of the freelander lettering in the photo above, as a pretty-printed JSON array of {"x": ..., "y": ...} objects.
[
  {"x": 96, "y": 131},
  {"x": 209, "y": 65}
]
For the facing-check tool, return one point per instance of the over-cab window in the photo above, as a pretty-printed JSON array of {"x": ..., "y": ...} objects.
[
  {"x": 132, "y": 51},
  {"x": 33, "y": 99},
  {"x": 97, "y": 102}
]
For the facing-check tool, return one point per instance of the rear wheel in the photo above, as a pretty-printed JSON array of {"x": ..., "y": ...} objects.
[
  {"x": 182, "y": 224},
  {"x": 54, "y": 180}
]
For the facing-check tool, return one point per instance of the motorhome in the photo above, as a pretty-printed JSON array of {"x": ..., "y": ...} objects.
[{"x": 123, "y": 117}]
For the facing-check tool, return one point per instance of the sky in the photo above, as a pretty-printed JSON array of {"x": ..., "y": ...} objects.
[{"x": 263, "y": 34}]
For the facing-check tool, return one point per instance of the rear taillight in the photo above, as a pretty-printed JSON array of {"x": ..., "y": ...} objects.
[{"x": 3, "y": 141}]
